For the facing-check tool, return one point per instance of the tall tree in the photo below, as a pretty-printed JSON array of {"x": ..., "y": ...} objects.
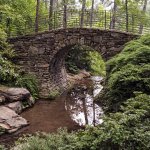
[
  {"x": 144, "y": 11},
  {"x": 82, "y": 13},
  {"x": 65, "y": 14},
  {"x": 113, "y": 20},
  {"x": 127, "y": 17},
  {"x": 51, "y": 13},
  {"x": 91, "y": 16},
  {"x": 37, "y": 16}
]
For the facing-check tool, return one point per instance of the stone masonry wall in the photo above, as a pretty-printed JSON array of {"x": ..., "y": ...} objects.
[{"x": 43, "y": 54}]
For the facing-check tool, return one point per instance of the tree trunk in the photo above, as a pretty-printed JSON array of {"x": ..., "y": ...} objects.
[
  {"x": 113, "y": 20},
  {"x": 85, "y": 112},
  {"x": 82, "y": 13},
  {"x": 65, "y": 15},
  {"x": 37, "y": 16},
  {"x": 91, "y": 17},
  {"x": 94, "y": 117},
  {"x": 127, "y": 17},
  {"x": 51, "y": 14},
  {"x": 144, "y": 10}
]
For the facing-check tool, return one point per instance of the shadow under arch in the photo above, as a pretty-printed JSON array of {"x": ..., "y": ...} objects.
[{"x": 57, "y": 66}]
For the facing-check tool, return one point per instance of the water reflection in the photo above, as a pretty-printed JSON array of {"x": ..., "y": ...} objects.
[{"x": 80, "y": 103}]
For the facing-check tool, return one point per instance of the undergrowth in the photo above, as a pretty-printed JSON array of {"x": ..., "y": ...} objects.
[
  {"x": 10, "y": 74},
  {"x": 83, "y": 57},
  {"x": 127, "y": 72}
]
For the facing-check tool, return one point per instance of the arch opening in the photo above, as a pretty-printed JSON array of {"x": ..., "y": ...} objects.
[{"x": 71, "y": 60}]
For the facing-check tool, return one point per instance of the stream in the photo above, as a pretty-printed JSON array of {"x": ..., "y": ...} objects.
[{"x": 73, "y": 109}]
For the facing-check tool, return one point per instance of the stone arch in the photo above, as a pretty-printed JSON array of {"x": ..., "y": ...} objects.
[
  {"x": 57, "y": 66},
  {"x": 43, "y": 54}
]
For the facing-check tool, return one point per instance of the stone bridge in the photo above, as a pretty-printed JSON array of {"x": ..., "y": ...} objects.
[{"x": 43, "y": 54}]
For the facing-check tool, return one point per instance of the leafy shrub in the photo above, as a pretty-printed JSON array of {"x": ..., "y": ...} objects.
[
  {"x": 28, "y": 81},
  {"x": 7, "y": 71},
  {"x": 53, "y": 94},
  {"x": 62, "y": 140},
  {"x": 7, "y": 68},
  {"x": 126, "y": 130},
  {"x": 10, "y": 73},
  {"x": 2, "y": 147},
  {"x": 1, "y": 130},
  {"x": 83, "y": 57},
  {"x": 96, "y": 63},
  {"x": 128, "y": 72}
]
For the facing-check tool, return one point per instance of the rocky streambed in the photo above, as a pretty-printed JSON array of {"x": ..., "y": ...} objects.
[
  {"x": 12, "y": 102},
  {"x": 73, "y": 109}
]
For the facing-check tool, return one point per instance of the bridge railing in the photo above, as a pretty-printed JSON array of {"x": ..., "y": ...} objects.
[{"x": 99, "y": 19}]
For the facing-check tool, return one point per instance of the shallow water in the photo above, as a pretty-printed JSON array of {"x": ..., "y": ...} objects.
[
  {"x": 80, "y": 106},
  {"x": 73, "y": 109}
]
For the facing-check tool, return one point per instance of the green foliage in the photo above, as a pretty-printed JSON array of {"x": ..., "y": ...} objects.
[
  {"x": 128, "y": 72},
  {"x": 28, "y": 81},
  {"x": 62, "y": 140},
  {"x": 2, "y": 147},
  {"x": 125, "y": 130},
  {"x": 76, "y": 59},
  {"x": 83, "y": 57},
  {"x": 1, "y": 130},
  {"x": 7, "y": 68},
  {"x": 97, "y": 65},
  {"x": 9, "y": 73},
  {"x": 53, "y": 94},
  {"x": 18, "y": 16}
]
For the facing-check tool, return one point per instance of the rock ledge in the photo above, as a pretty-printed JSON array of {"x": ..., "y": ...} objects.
[{"x": 12, "y": 102}]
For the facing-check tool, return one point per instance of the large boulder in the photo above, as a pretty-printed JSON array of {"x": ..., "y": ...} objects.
[
  {"x": 15, "y": 94},
  {"x": 16, "y": 106},
  {"x": 10, "y": 121},
  {"x": 13, "y": 101}
]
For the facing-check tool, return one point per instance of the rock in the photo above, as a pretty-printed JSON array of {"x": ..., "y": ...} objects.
[
  {"x": 4, "y": 126},
  {"x": 16, "y": 123},
  {"x": 2, "y": 99},
  {"x": 18, "y": 94},
  {"x": 15, "y": 94},
  {"x": 10, "y": 121},
  {"x": 31, "y": 101},
  {"x": 15, "y": 106},
  {"x": 84, "y": 88}
]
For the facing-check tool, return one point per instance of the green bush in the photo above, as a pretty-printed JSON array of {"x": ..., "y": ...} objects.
[
  {"x": 1, "y": 130},
  {"x": 128, "y": 72},
  {"x": 9, "y": 73},
  {"x": 125, "y": 130},
  {"x": 2, "y": 147},
  {"x": 96, "y": 63},
  {"x": 83, "y": 57},
  {"x": 28, "y": 81},
  {"x": 7, "y": 68},
  {"x": 53, "y": 94},
  {"x": 62, "y": 140}
]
